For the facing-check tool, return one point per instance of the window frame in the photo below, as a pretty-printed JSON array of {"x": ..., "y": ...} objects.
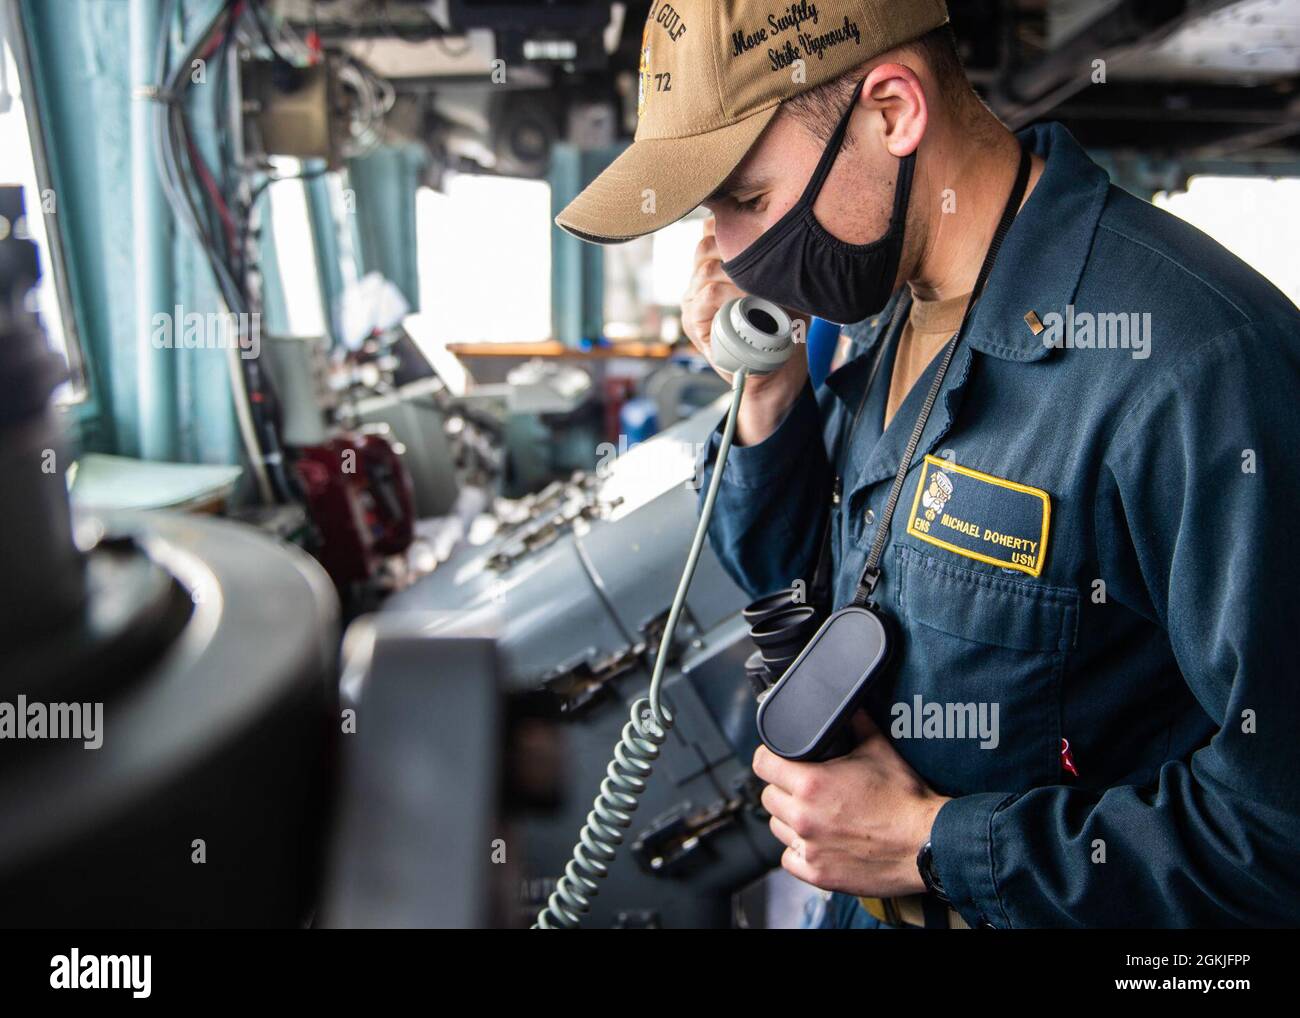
[{"x": 54, "y": 257}]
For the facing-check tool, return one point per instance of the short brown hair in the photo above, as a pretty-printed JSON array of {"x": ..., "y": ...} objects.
[{"x": 820, "y": 108}]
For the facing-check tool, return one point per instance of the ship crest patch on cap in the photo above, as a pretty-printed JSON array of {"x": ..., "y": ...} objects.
[
  {"x": 643, "y": 74},
  {"x": 669, "y": 20}
]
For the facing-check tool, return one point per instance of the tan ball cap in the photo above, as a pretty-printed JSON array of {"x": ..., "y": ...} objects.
[{"x": 713, "y": 74}]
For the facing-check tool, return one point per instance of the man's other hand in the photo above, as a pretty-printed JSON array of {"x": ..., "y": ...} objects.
[{"x": 853, "y": 824}]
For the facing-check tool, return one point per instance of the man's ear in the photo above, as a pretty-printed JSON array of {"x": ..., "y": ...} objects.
[{"x": 893, "y": 92}]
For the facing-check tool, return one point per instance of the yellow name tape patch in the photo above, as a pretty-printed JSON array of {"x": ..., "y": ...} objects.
[{"x": 980, "y": 516}]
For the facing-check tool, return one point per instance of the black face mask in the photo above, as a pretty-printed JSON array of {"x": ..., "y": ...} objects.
[{"x": 797, "y": 263}]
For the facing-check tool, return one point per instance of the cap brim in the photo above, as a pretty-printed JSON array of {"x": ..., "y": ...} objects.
[{"x": 657, "y": 181}]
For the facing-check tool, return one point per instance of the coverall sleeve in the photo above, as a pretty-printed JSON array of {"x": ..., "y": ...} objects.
[
  {"x": 1196, "y": 516},
  {"x": 772, "y": 503}
]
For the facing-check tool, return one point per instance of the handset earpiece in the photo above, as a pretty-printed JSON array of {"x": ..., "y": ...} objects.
[{"x": 749, "y": 332}]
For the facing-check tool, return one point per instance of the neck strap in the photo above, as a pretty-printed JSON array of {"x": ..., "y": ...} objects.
[{"x": 871, "y": 574}]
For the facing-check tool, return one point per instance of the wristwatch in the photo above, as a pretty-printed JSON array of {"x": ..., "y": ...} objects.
[{"x": 930, "y": 873}]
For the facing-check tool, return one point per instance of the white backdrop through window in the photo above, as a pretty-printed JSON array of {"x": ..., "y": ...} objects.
[
  {"x": 295, "y": 251},
  {"x": 18, "y": 167},
  {"x": 485, "y": 259},
  {"x": 1256, "y": 218}
]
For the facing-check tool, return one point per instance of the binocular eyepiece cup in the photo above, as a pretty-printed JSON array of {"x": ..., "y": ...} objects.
[
  {"x": 768, "y": 605},
  {"x": 784, "y": 633},
  {"x": 780, "y": 627}
]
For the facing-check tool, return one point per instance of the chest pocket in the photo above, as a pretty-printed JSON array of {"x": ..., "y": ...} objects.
[{"x": 996, "y": 642}]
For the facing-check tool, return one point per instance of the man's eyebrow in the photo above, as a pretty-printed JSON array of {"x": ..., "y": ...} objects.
[{"x": 736, "y": 185}]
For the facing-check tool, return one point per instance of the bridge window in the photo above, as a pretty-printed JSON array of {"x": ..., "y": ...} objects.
[
  {"x": 1232, "y": 209},
  {"x": 22, "y": 163},
  {"x": 485, "y": 259},
  {"x": 295, "y": 250}
]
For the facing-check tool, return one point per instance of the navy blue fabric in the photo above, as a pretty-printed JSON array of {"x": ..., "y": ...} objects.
[{"x": 1159, "y": 637}]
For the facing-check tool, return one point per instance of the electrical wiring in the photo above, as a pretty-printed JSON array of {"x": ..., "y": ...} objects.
[
  {"x": 255, "y": 196},
  {"x": 198, "y": 202},
  {"x": 375, "y": 98},
  {"x": 275, "y": 178},
  {"x": 182, "y": 205},
  {"x": 209, "y": 183},
  {"x": 220, "y": 109},
  {"x": 259, "y": 18},
  {"x": 212, "y": 206},
  {"x": 289, "y": 35},
  {"x": 171, "y": 137}
]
